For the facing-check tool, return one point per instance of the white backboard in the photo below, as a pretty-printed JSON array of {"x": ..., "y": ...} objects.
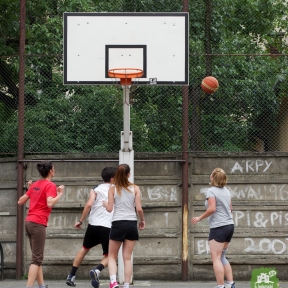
[{"x": 154, "y": 42}]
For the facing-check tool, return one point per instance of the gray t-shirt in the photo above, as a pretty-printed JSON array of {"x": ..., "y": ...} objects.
[{"x": 222, "y": 216}]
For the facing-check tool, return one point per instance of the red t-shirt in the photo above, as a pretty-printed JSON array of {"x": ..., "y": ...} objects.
[{"x": 38, "y": 193}]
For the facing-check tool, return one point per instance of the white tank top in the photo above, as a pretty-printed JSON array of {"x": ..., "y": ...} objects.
[
  {"x": 124, "y": 205},
  {"x": 99, "y": 216}
]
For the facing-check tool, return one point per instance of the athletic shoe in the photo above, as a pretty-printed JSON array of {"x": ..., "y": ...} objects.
[
  {"x": 70, "y": 281},
  {"x": 230, "y": 285},
  {"x": 94, "y": 274},
  {"x": 94, "y": 283},
  {"x": 114, "y": 285}
]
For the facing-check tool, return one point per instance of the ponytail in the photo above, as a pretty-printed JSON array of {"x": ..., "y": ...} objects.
[{"x": 44, "y": 168}]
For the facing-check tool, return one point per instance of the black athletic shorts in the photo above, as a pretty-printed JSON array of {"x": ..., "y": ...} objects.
[
  {"x": 97, "y": 235},
  {"x": 222, "y": 234},
  {"x": 124, "y": 229}
]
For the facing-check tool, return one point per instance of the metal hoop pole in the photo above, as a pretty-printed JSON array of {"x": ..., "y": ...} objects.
[
  {"x": 126, "y": 112},
  {"x": 126, "y": 155}
]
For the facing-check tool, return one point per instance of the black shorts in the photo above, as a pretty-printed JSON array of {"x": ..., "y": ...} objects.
[
  {"x": 222, "y": 234},
  {"x": 124, "y": 229},
  {"x": 97, "y": 235}
]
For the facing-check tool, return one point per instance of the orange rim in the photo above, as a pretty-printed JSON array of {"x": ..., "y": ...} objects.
[{"x": 125, "y": 74}]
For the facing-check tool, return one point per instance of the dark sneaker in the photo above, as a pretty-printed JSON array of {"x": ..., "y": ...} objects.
[
  {"x": 94, "y": 283},
  {"x": 94, "y": 274},
  {"x": 70, "y": 281}
]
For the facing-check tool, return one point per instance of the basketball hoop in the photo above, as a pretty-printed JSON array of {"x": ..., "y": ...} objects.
[{"x": 125, "y": 74}]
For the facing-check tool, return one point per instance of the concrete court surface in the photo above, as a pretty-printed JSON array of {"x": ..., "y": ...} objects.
[{"x": 137, "y": 284}]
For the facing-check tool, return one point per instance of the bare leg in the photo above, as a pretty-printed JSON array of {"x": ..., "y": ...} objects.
[
  {"x": 104, "y": 261},
  {"x": 32, "y": 275},
  {"x": 216, "y": 249},
  {"x": 40, "y": 279},
  {"x": 80, "y": 256},
  {"x": 128, "y": 247},
  {"x": 112, "y": 256}
]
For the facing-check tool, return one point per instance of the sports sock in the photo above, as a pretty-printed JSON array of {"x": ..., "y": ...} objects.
[
  {"x": 230, "y": 282},
  {"x": 112, "y": 278},
  {"x": 126, "y": 285},
  {"x": 42, "y": 286},
  {"x": 220, "y": 286},
  {"x": 99, "y": 267},
  {"x": 73, "y": 271}
]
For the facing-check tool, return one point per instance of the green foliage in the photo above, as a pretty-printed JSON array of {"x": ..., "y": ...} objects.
[
  {"x": 9, "y": 133},
  {"x": 152, "y": 6},
  {"x": 251, "y": 88},
  {"x": 86, "y": 119},
  {"x": 9, "y": 26},
  {"x": 158, "y": 114},
  {"x": 79, "y": 120},
  {"x": 24, "y": 277},
  {"x": 244, "y": 107}
]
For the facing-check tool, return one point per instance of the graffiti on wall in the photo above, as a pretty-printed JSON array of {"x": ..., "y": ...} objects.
[{"x": 256, "y": 166}]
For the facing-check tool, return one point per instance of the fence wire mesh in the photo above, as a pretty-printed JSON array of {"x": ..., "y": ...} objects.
[{"x": 243, "y": 43}]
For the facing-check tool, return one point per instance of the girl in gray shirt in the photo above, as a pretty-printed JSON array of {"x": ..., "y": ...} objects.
[{"x": 219, "y": 212}]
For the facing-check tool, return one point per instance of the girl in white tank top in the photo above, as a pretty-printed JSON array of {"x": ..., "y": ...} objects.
[
  {"x": 124, "y": 197},
  {"x": 124, "y": 205}
]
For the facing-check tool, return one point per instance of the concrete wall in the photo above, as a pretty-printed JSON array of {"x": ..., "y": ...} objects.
[
  {"x": 8, "y": 208},
  {"x": 160, "y": 243},
  {"x": 259, "y": 195},
  {"x": 258, "y": 184}
]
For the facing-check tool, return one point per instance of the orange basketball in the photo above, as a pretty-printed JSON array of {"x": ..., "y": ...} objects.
[{"x": 209, "y": 85}]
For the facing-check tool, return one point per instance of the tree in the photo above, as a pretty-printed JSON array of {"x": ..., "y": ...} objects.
[
  {"x": 87, "y": 119},
  {"x": 231, "y": 117}
]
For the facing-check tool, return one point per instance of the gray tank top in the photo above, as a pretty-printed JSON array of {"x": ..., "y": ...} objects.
[
  {"x": 124, "y": 205},
  {"x": 222, "y": 216}
]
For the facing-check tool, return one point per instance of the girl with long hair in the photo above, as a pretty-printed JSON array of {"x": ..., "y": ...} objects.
[{"x": 124, "y": 197}]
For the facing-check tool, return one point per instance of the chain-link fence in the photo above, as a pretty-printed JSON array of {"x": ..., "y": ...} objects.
[{"x": 243, "y": 43}]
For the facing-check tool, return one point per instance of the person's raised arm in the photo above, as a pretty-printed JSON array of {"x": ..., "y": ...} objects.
[
  {"x": 52, "y": 201},
  {"x": 24, "y": 198},
  {"x": 29, "y": 183},
  {"x": 87, "y": 208},
  {"x": 139, "y": 207}
]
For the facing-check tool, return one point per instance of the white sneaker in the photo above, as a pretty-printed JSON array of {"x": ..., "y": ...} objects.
[{"x": 230, "y": 285}]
